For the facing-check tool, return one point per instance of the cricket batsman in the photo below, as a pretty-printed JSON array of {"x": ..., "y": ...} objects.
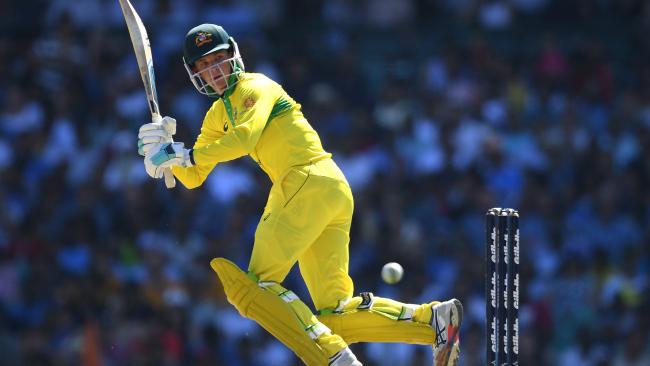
[{"x": 306, "y": 219}]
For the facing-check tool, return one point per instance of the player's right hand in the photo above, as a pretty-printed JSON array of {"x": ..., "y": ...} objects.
[{"x": 159, "y": 131}]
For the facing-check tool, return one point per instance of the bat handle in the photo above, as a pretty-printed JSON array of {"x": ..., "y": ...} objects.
[{"x": 170, "y": 181}]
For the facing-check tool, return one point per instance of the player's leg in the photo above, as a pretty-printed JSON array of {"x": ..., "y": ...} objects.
[
  {"x": 294, "y": 217},
  {"x": 275, "y": 309},
  {"x": 367, "y": 318},
  {"x": 324, "y": 266},
  {"x": 309, "y": 199}
]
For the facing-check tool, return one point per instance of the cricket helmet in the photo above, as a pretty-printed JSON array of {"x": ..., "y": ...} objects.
[{"x": 203, "y": 40}]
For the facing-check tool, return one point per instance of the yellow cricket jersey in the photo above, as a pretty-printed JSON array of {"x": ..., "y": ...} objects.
[{"x": 256, "y": 117}]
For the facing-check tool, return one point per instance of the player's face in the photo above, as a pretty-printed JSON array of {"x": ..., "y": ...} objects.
[{"x": 213, "y": 69}]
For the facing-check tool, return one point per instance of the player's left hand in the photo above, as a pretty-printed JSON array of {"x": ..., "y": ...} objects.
[{"x": 165, "y": 156}]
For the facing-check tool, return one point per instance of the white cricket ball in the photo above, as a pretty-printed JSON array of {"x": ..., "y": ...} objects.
[{"x": 392, "y": 272}]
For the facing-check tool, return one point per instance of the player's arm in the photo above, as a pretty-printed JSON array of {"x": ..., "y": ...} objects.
[
  {"x": 257, "y": 103},
  {"x": 194, "y": 176}
]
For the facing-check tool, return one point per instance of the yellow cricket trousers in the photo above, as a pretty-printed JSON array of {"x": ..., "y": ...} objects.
[{"x": 307, "y": 219}]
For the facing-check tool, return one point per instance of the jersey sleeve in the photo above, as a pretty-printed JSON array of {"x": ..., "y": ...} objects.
[
  {"x": 255, "y": 104},
  {"x": 195, "y": 176}
]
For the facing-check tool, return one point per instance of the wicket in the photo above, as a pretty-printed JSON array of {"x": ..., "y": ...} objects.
[{"x": 502, "y": 286}]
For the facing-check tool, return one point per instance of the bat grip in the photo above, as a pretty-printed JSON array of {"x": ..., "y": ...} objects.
[{"x": 170, "y": 181}]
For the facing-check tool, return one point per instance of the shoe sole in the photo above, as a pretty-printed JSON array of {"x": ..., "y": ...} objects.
[{"x": 450, "y": 353}]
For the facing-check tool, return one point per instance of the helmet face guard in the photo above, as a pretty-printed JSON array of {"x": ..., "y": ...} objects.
[{"x": 216, "y": 71}]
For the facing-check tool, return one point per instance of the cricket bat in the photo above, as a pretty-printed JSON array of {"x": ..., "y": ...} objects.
[{"x": 142, "y": 49}]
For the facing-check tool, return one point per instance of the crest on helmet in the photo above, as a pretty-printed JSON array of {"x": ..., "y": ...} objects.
[{"x": 202, "y": 38}]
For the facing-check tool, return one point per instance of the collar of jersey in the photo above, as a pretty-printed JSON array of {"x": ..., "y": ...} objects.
[{"x": 231, "y": 79}]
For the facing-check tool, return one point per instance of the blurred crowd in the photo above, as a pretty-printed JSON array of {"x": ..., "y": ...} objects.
[{"x": 435, "y": 110}]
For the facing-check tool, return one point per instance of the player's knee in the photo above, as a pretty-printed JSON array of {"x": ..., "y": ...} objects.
[{"x": 239, "y": 287}]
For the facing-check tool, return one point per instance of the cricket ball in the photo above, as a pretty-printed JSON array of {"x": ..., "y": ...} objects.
[{"x": 392, "y": 273}]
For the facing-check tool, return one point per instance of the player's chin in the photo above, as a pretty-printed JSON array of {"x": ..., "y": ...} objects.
[{"x": 218, "y": 87}]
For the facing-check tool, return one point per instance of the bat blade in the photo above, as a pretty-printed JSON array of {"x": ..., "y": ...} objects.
[{"x": 142, "y": 49}]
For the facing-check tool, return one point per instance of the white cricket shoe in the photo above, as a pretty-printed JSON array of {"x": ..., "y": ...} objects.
[
  {"x": 344, "y": 357},
  {"x": 445, "y": 321}
]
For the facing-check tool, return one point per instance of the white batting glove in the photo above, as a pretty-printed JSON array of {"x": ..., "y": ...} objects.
[
  {"x": 159, "y": 131},
  {"x": 167, "y": 155},
  {"x": 154, "y": 171}
]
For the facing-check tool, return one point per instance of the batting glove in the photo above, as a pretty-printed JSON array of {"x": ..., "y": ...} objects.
[
  {"x": 159, "y": 131},
  {"x": 167, "y": 155}
]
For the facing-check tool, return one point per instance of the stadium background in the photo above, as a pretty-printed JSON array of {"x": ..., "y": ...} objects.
[{"x": 435, "y": 110}]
